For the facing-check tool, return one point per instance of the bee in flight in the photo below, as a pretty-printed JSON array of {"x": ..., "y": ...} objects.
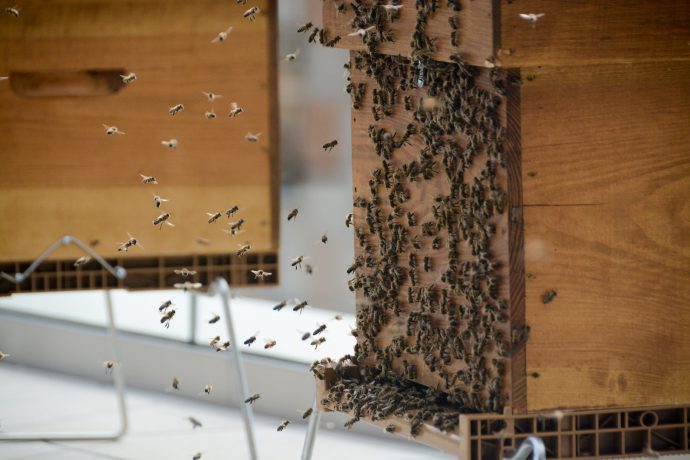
[
  {"x": 292, "y": 214},
  {"x": 251, "y": 339},
  {"x": 231, "y": 212},
  {"x": 221, "y": 37},
  {"x": 187, "y": 286},
  {"x": 251, "y": 13},
  {"x": 300, "y": 306},
  {"x": 175, "y": 109},
  {"x": 235, "y": 110},
  {"x": 167, "y": 317},
  {"x": 304, "y": 27},
  {"x": 171, "y": 144},
  {"x": 283, "y": 425},
  {"x": 211, "y": 96},
  {"x": 251, "y": 399},
  {"x": 270, "y": 343},
  {"x": 208, "y": 388},
  {"x": 214, "y": 319},
  {"x": 252, "y": 138},
  {"x": 260, "y": 274},
  {"x": 317, "y": 342},
  {"x": 158, "y": 200},
  {"x": 83, "y": 260},
  {"x": 110, "y": 130},
  {"x": 184, "y": 272},
  {"x": 129, "y": 78},
  {"x": 244, "y": 248},
  {"x": 292, "y": 56},
  {"x": 210, "y": 115},
  {"x": 195, "y": 423},
  {"x": 148, "y": 179},
  {"x": 165, "y": 305},
  {"x": 12, "y": 11},
  {"x": 280, "y": 306},
  {"x": 108, "y": 365},
  {"x": 163, "y": 219},
  {"x": 297, "y": 262},
  {"x": 213, "y": 216}
]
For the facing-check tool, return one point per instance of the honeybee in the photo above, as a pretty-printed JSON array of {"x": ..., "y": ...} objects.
[
  {"x": 297, "y": 262},
  {"x": 391, "y": 7},
  {"x": 307, "y": 413},
  {"x": 213, "y": 216},
  {"x": 129, "y": 78},
  {"x": 253, "y": 138},
  {"x": 195, "y": 423},
  {"x": 3, "y": 355},
  {"x": 283, "y": 425},
  {"x": 132, "y": 241},
  {"x": 163, "y": 219},
  {"x": 223, "y": 346},
  {"x": 208, "y": 388},
  {"x": 12, "y": 11},
  {"x": 83, "y": 260},
  {"x": 211, "y": 96},
  {"x": 361, "y": 32},
  {"x": 165, "y": 305},
  {"x": 304, "y": 27},
  {"x": 292, "y": 56},
  {"x": 184, "y": 272},
  {"x": 280, "y": 306},
  {"x": 222, "y": 36},
  {"x": 214, "y": 342},
  {"x": 549, "y": 296},
  {"x": 292, "y": 214},
  {"x": 171, "y": 144},
  {"x": 236, "y": 226},
  {"x": 532, "y": 18},
  {"x": 175, "y": 385},
  {"x": 328, "y": 146},
  {"x": 158, "y": 200},
  {"x": 148, "y": 179},
  {"x": 235, "y": 110},
  {"x": 300, "y": 306},
  {"x": 175, "y": 109},
  {"x": 319, "y": 329},
  {"x": 167, "y": 316},
  {"x": 324, "y": 238},
  {"x": 251, "y": 339},
  {"x": 214, "y": 319},
  {"x": 197, "y": 456},
  {"x": 349, "y": 220},
  {"x": 244, "y": 248},
  {"x": 252, "y": 398},
  {"x": 187, "y": 286},
  {"x": 108, "y": 365},
  {"x": 110, "y": 130},
  {"x": 305, "y": 334},
  {"x": 317, "y": 342},
  {"x": 260, "y": 274},
  {"x": 210, "y": 115},
  {"x": 338, "y": 317},
  {"x": 269, "y": 344},
  {"x": 251, "y": 13},
  {"x": 309, "y": 269}
]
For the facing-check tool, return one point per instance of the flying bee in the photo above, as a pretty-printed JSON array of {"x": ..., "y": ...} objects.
[
  {"x": 236, "y": 226},
  {"x": 184, "y": 272},
  {"x": 214, "y": 216},
  {"x": 361, "y": 32},
  {"x": 549, "y": 296},
  {"x": 171, "y": 144},
  {"x": 129, "y": 78},
  {"x": 148, "y": 179},
  {"x": 338, "y": 317},
  {"x": 3, "y": 355},
  {"x": 108, "y": 365},
  {"x": 252, "y": 138},
  {"x": 532, "y": 18},
  {"x": 317, "y": 342},
  {"x": 319, "y": 329},
  {"x": 292, "y": 214},
  {"x": 280, "y": 306},
  {"x": 270, "y": 343},
  {"x": 309, "y": 269},
  {"x": 210, "y": 115},
  {"x": 208, "y": 388},
  {"x": 305, "y": 334},
  {"x": 175, "y": 109},
  {"x": 211, "y": 96},
  {"x": 251, "y": 339},
  {"x": 110, "y": 130},
  {"x": 260, "y": 274},
  {"x": 203, "y": 241},
  {"x": 197, "y": 456},
  {"x": 251, "y": 13},
  {"x": 214, "y": 319},
  {"x": 324, "y": 238},
  {"x": 304, "y": 27},
  {"x": 349, "y": 220},
  {"x": 391, "y": 7},
  {"x": 163, "y": 219},
  {"x": 195, "y": 423},
  {"x": 231, "y": 212},
  {"x": 292, "y": 56},
  {"x": 158, "y": 201},
  {"x": 12, "y": 11},
  {"x": 223, "y": 346},
  {"x": 307, "y": 413},
  {"x": 165, "y": 305},
  {"x": 252, "y": 398},
  {"x": 313, "y": 34},
  {"x": 175, "y": 385},
  {"x": 83, "y": 260},
  {"x": 235, "y": 110},
  {"x": 244, "y": 248},
  {"x": 283, "y": 425},
  {"x": 328, "y": 146},
  {"x": 214, "y": 342},
  {"x": 300, "y": 306},
  {"x": 131, "y": 241},
  {"x": 297, "y": 262},
  {"x": 187, "y": 286},
  {"x": 167, "y": 316},
  {"x": 221, "y": 37}
]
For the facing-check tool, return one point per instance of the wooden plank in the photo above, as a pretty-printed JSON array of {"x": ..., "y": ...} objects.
[
  {"x": 61, "y": 169},
  {"x": 606, "y": 227}
]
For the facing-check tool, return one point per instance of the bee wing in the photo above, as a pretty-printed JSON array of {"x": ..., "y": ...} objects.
[
  {"x": 168, "y": 223},
  {"x": 525, "y": 16},
  {"x": 233, "y": 105},
  {"x": 539, "y": 16},
  {"x": 210, "y": 214},
  {"x": 107, "y": 127},
  {"x": 227, "y": 31},
  {"x": 216, "y": 39}
]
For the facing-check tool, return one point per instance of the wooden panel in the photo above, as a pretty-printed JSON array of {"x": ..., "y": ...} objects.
[
  {"x": 62, "y": 174},
  {"x": 606, "y": 180}
]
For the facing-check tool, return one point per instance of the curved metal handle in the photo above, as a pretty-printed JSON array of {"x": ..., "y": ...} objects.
[{"x": 532, "y": 445}]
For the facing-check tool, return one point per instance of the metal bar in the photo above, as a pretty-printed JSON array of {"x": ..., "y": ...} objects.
[
  {"x": 193, "y": 307},
  {"x": 222, "y": 288},
  {"x": 532, "y": 445},
  {"x": 314, "y": 420}
]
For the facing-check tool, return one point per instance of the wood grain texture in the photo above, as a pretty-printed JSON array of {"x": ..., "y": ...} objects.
[
  {"x": 606, "y": 182},
  {"x": 53, "y": 147}
]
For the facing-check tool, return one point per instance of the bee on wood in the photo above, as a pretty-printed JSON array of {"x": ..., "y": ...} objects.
[
  {"x": 453, "y": 22},
  {"x": 163, "y": 219},
  {"x": 131, "y": 241},
  {"x": 349, "y": 220},
  {"x": 317, "y": 342},
  {"x": 148, "y": 179},
  {"x": 283, "y": 425},
  {"x": 165, "y": 305},
  {"x": 221, "y": 37},
  {"x": 214, "y": 216},
  {"x": 214, "y": 319},
  {"x": 3, "y": 355},
  {"x": 129, "y": 78},
  {"x": 235, "y": 110},
  {"x": 110, "y": 130},
  {"x": 251, "y": 13},
  {"x": 252, "y": 138},
  {"x": 361, "y": 32},
  {"x": 83, "y": 260},
  {"x": 244, "y": 248},
  {"x": 292, "y": 214},
  {"x": 549, "y": 296},
  {"x": 171, "y": 144},
  {"x": 187, "y": 286},
  {"x": 184, "y": 272},
  {"x": 260, "y": 274},
  {"x": 332, "y": 42},
  {"x": 167, "y": 317},
  {"x": 297, "y": 262},
  {"x": 427, "y": 263},
  {"x": 195, "y": 423},
  {"x": 208, "y": 388},
  {"x": 328, "y": 146},
  {"x": 12, "y": 11},
  {"x": 158, "y": 201},
  {"x": 108, "y": 365},
  {"x": 304, "y": 27},
  {"x": 252, "y": 398},
  {"x": 269, "y": 343},
  {"x": 292, "y": 56},
  {"x": 175, "y": 109},
  {"x": 313, "y": 34},
  {"x": 307, "y": 413},
  {"x": 210, "y": 115},
  {"x": 300, "y": 306},
  {"x": 251, "y": 339}
]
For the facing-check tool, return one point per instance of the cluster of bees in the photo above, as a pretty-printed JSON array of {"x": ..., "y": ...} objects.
[{"x": 427, "y": 282}]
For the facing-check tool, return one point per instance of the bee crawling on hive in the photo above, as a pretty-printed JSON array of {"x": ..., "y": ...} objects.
[
  {"x": 129, "y": 78},
  {"x": 175, "y": 109},
  {"x": 148, "y": 179},
  {"x": 297, "y": 261},
  {"x": 532, "y": 18},
  {"x": 214, "y": 216},
  {"x": 252, "y": 138},
  {"x": 184, "y": 272},
  {"x": 110, "y": 130},
  {"x": 83, "y": 260},
  {"x": 251, "y": 13},
  {"x": 292, "y": 56},
  {"x": 283, "y": 425},
  {"x": 3, "y": 355},
  {"x": 157, "y": 200},
  {"x": 12, "y": 11},
  {"x": 167, "y": 317},
  {"x": 131, "y": 241},
  {"x": 361, "y": 32},
  {"x": 235, "y": 110},
  {"x": 163, "y": 219},
  {"x": 328, "y": 146},
  {"x": 304, "y": 27},
  {"x": 222, "y": 36},
  {"x": 211, "y": 96}
]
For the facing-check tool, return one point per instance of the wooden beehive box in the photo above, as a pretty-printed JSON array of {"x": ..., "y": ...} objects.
[
  {"x": 61, "y": 174},
  {"x": 594, "y": 116}
]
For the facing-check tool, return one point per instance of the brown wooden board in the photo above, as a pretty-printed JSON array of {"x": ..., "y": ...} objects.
[
  {"x": 606, "y": 186},
  {"x": 61, "y": 174}
]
